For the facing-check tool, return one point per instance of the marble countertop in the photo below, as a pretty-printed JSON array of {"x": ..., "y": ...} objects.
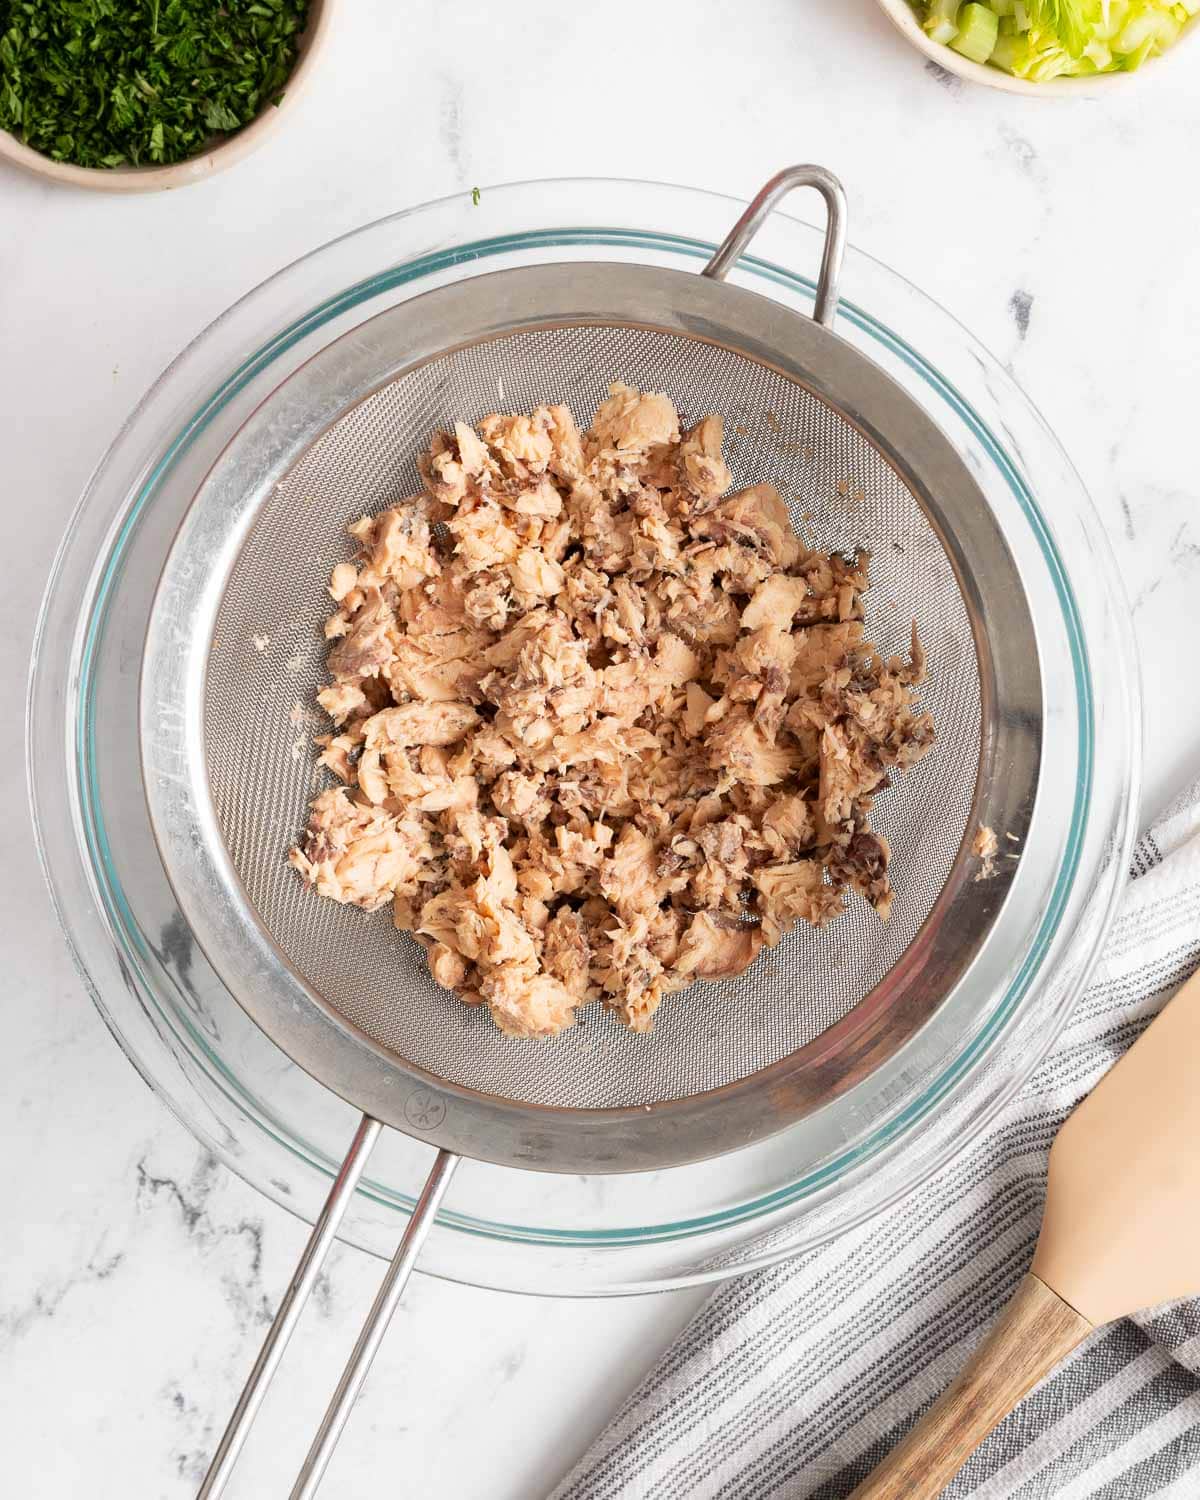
[{"x": 132, "y": 1266}]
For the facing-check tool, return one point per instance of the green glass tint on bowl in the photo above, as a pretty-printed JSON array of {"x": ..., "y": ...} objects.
[
  {"x": 847, "y": 1171},
  {"x": 480, "y": 251}
]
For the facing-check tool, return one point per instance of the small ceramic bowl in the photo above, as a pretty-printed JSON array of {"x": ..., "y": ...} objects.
[
  {"x": 901, "y": 15},
  {"x": 232, "y": 149}
]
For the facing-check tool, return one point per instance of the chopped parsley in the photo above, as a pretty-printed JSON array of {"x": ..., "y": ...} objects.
[{"x": 109, "y": 83}]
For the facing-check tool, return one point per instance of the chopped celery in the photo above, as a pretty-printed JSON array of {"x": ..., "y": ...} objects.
[
  {"x": 1009, "y": 50},
  {"x": 977, "y": 30},
  {"x": 1049, "y": 62},
  {"x": 1132, "y": 61},
  {"x": 1042, "y": 39},
  {"x": 939, "y": 11},
  {"x": 939, "y": 20},
  {"x": 1153, "y": 26},
  {"x": 1069, "y": 20}
]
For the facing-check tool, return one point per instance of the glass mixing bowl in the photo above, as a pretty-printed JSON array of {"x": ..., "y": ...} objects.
[{"x": 527, "y": 1231}]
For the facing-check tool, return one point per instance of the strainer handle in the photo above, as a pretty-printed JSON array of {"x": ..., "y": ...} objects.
[
  {"x": 750, "y": 223},
  {"x": 320, "y": 1241},
  {"x": 387, "y": 1300}
]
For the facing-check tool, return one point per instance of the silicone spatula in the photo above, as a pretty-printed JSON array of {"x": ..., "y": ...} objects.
[{"x": 1121, "y": 1232}]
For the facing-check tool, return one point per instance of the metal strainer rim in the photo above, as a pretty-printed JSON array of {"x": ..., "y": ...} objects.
[
  {"x": 164, "y": 705},
  {"x": 616, "y": 1139}
]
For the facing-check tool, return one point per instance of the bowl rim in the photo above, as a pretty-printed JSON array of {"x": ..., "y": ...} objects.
[
  {"x": 902, "y": 17},
  {"x": 561, "y": 1276},
  {"x": 233, "y": 148}
]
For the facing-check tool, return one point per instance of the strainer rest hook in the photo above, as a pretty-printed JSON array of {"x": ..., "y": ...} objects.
[{"x": 734, "y": 244}]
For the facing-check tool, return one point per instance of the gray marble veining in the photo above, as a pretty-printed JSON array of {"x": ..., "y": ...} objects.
[{"x": 136, "y": 1274}]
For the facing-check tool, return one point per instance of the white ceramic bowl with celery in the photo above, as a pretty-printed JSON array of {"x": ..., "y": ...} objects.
[{"x": 1047, "y": 47}]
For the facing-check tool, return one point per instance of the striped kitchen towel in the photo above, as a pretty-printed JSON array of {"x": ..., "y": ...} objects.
[{"x": 792, "y": 1383}]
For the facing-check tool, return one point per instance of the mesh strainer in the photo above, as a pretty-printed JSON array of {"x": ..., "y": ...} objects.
[{"x": 229, "y": 766}]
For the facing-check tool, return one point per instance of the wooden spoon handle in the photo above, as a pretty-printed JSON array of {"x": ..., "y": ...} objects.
[{"x": 1034, "y": 1332}]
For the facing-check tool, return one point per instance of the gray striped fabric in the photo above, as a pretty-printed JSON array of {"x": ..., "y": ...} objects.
[{"x": 795, "y": 1381}]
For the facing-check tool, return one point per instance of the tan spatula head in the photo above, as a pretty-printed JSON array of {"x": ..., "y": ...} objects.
[{"x": 1120, "y": 1233}]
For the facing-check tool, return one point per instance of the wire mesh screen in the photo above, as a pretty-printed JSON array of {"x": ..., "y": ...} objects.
[{"x": 267, "y": 662}]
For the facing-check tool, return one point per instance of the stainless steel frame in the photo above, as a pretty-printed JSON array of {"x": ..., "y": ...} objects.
[
  {"x": 460, "y": 1121},
  {"x": 225, "y": 922}
]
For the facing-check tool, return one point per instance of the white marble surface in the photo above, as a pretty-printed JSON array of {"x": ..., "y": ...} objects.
[{"x": 135, "y": 1274}]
